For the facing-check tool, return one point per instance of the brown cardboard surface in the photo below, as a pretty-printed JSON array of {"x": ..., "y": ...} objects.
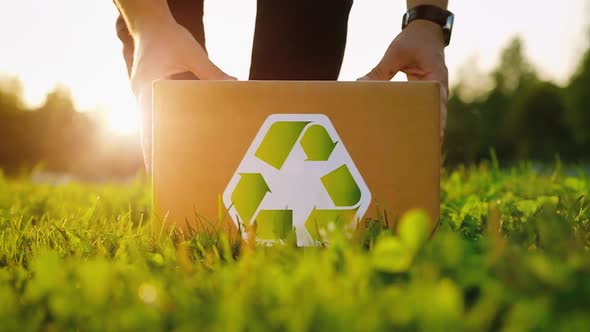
[{"x": 202, "y": 129}]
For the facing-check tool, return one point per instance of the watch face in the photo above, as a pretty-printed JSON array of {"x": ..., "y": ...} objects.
[
  {"x": 449, "y": 23},
  {"x": 405, "y": 20}
]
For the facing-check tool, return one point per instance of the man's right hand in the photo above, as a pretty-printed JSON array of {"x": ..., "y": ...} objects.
[
  {"x": 160, "y": 52},
  {"x": 162, "y": 48}
]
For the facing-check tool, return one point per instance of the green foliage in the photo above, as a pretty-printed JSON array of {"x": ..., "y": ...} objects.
[
  {"x": 578, "y": 98},
  {"x": 520, "y": 116},
  {"x": 511, "y": 253}
]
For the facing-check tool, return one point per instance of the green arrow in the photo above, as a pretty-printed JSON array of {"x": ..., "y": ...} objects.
[
  {"x": 317, "y": 143},
  {"x": 278, "y": 142},
  {"x": 248, "y": 194},
  {"x": 320, "y": 219},
  {"x": 342, "y": 187},
  {"x": 274, "y": 224}
]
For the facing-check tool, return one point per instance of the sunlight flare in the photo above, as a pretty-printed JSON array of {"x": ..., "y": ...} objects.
[{"x": 123, "y": 122}]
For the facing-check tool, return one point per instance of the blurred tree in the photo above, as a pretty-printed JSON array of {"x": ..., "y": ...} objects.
[
  {"x": 11, "y": 95},
  {"x": 520, "y": 116},
  {"x": 513, "y": 70},
  {"x": 461, "y": 135},
  {"x": 578, "y": 101},
  {"x": 59, "y": 101},
  {"x": 484, "y": 123},
  {"x": 60, "y": 138},
  {"x": 537, "y": 123},
  {"x": 57, "y": 142},
  {"x": 513, "y": 78}
]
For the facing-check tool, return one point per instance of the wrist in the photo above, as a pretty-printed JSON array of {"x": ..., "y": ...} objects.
[
  {"x": 149, "y": 25},
  {"x": 430, "y": 28},
  {"x": 144, "y": 17}
]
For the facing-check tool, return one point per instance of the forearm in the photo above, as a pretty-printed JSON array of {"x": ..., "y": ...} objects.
[
  {"x": 141, "y": 15},
  {"x": 438, "y": 3}
]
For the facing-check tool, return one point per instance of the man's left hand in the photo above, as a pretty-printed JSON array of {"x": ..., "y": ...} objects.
[{"x": 418, "y": 51}]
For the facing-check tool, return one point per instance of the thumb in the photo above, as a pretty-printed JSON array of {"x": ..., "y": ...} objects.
[{"x": 390, "y": 64}]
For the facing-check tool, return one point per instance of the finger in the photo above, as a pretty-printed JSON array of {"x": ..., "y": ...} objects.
[
  {"x": 438, "y": 73},
  {"x": 391, "y": 63},
  {"x": 415, "y": 74}
]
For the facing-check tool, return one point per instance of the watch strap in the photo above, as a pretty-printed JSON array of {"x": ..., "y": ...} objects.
[{"x": 430, "y": 13}]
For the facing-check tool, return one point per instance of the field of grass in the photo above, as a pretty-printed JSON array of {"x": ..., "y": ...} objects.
[{"x": 511, "y": 254}]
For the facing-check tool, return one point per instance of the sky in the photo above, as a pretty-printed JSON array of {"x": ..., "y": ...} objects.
[{"x": 73, "y": 43}]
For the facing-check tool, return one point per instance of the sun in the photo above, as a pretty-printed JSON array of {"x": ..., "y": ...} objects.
[{"x": 123, "y": 122}]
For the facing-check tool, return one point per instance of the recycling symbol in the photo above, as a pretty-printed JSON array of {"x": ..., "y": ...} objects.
[{"x": 296, "y": 174}]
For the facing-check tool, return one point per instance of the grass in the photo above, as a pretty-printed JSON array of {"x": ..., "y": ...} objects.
[{"x": 511, "y": 254}]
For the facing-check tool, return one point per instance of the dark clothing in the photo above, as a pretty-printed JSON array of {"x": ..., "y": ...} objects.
[{"x": 293, "y": 39}]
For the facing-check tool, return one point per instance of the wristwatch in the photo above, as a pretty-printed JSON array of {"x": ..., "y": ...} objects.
[{"x": 435, "y": 14}]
